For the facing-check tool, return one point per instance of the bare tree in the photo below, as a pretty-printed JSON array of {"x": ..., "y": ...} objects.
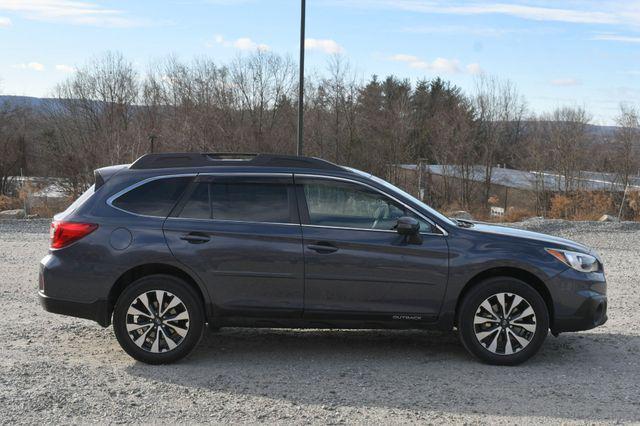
[
  {"x": 500, "y": 110},
  {"x": 12, "y": 142},
  {"x": 263, "y": 84},
  {"x": 627, "y": 142},
  {"x": 567, "y": 137}
]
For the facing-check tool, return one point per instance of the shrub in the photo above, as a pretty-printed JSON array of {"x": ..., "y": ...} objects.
[
  {"x": 560, "y": 207},
  {"x": 9, "y": 203},
  {"x": 582, "y": 205}
]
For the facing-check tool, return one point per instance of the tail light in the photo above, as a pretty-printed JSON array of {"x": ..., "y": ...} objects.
[{"x": 64, "y": 233}]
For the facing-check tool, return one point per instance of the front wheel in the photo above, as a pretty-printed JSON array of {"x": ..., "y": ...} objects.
[
  {"x": 503, "y": 321},
  {"x": 158, "y": 319}
]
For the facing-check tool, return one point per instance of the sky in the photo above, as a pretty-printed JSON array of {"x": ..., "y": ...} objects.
[{"x": 582, "y": 53}]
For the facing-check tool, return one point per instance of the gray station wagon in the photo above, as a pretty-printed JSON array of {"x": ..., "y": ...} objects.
[{"x": 172, "y": 243}]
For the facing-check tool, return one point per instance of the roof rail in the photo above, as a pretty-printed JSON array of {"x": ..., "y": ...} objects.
[{"x": 193, "y": 159}]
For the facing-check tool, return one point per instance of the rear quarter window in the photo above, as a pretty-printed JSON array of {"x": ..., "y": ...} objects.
[
  {"x": 81, "y": 200},
  {"x": 154, "y": 198}
]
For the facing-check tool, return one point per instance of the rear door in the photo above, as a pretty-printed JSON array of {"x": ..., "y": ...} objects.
[
  {"x": 356, "y": 265},
  {"x": 242, "y": 235}
]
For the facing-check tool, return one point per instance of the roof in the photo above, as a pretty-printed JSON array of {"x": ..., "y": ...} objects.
[{"x": 531, "y": 180}]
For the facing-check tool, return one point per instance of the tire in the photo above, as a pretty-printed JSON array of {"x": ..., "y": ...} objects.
[
  {"x": 502, "y": 339},
  {"x": 171, "y": 336}
]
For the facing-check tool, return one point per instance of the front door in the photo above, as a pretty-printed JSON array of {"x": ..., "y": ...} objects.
[
  {"x": 242, "y": 236},
  {"x": 357, "y": 265}
]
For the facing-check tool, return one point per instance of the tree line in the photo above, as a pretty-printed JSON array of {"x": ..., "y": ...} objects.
[{"x": 109, "y": 113}]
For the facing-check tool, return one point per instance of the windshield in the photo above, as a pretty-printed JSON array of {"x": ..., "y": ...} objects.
[{"x": 405, "y": 194}]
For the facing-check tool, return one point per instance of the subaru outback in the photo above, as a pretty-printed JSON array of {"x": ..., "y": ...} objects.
[{"x": 173, "y": 243}]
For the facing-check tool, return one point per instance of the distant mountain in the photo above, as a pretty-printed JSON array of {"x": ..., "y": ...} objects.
[
  {"x": 24, "y": 101},
  {"x": 604, "y": 132},
  {"x": 33, "y": 103}
]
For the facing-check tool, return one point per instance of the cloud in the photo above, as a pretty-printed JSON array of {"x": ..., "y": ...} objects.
[
  {"x": 565, "y": 82},
  {"x": 245, "y": 43},
  {"x": 35, "y": 66},
  {"x": 585, "y": 12},
  {"x": 438, "y": 65},
  {"x": 242, "y": 43},
  {"x": 77, "y": 12},
  {"x": 404, "y": 58},
  {"x": 326, "y": 46},
  {"x": 616, "y": 37},
  {"x": 5, "y": 22},
  {"x": 474, "y": 69},
  {"x": 65, "y": 68}
]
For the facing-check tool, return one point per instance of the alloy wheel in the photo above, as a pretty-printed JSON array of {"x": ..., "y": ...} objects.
[
  {"x": 157, "y": 321},
  {"x": 504, "y": 323}
]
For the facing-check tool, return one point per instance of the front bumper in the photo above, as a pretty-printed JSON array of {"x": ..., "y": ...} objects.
[{"x": 580, "y": 301}]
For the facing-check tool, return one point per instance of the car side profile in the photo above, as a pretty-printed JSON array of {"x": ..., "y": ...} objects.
[{"x": 172, "y": 243}]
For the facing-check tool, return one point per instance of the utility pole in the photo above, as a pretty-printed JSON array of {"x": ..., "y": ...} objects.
[
  {"x": 152, "y": 139},
  {"x": 299, "y": 150}
]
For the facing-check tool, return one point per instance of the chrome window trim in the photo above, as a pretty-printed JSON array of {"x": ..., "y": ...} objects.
[
  {"x": 112, "y": 198},
  {"x": 442, "y": 233},
  {"x": 120, "y": 193},
  {"x": 250, "y": 222}
]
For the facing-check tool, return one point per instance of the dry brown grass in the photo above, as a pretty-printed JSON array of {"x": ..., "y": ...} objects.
[
  {"x": 10, "y": 203},
  {"x": 583, "y": 206},
  {"x": 515, "y": 214}
]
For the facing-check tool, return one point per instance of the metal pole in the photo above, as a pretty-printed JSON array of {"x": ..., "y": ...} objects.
[
  {"x": 152, "y": 139},
  {"x": 420, "y": 180},
  {"x": 299, "y": 150},
  {"x": 624, "y": 195}
]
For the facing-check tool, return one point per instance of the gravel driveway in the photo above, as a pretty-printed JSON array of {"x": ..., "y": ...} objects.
[{"x": 56, "y": 369}]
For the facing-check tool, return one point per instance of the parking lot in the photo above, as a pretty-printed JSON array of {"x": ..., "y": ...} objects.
[{"x": 57, "y": 369}]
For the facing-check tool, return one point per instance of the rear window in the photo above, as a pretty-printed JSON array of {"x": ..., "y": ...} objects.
[
  {"x": 250, "y": 202},
  {"x": 242, "y": 202},
  {"x": 154, "y": 198},
  {"x": 198, "y": 205}
]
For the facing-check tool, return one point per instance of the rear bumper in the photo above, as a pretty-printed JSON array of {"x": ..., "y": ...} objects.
[
  {"x": 96, "y": 311},
  {"x": 59, "y": 282},
  {"x": 580, "y": 301}
]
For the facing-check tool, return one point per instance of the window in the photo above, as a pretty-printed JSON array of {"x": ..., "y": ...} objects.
[
  {"x": 250, "y": 202},
  {"x": 198, "y": 206},
  {"x": 80, "y": 201},
  {"x": 352, "y": 206},
  {"x": 155, "y": 198}
]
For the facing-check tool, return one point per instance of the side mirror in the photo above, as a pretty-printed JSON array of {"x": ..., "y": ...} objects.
[{"x": 407, "y": 226}]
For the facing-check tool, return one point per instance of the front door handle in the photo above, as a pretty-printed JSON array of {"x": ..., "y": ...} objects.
[
  {"x": 195, "y": 238},
  {"x": 324, "y": 248}
]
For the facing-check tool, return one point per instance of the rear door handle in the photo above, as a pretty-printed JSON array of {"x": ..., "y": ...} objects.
[
  {"x": 195, "y": 238},
  {"x": 324, "y": 248}
]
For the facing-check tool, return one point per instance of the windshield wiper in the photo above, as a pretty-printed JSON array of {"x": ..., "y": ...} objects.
[{"x": 462, "y": 223}]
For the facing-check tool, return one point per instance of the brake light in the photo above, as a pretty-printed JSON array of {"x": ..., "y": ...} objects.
[{"x": 64, "y": 233}]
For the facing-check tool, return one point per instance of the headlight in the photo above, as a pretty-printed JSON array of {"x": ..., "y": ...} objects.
[{"x": 579, "y": 261}]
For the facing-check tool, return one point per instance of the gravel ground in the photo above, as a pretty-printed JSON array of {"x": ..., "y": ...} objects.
[{"x": 56, "y": 369}]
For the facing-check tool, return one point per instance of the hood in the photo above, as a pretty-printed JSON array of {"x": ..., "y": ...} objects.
[{"x": 529, "y": 235}]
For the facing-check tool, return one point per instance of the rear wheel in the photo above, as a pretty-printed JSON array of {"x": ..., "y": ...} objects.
[
  {"x": 503, "y": 321},
  {"x": 158, "y": 319}
]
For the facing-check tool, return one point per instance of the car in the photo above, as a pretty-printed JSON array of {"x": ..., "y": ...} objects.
[{"x": 173, "y": 243}]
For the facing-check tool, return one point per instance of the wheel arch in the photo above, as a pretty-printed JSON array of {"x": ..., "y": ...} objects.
[
  {"x": 511, "y": 272},
  {"x": 147, "y": 269}
]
